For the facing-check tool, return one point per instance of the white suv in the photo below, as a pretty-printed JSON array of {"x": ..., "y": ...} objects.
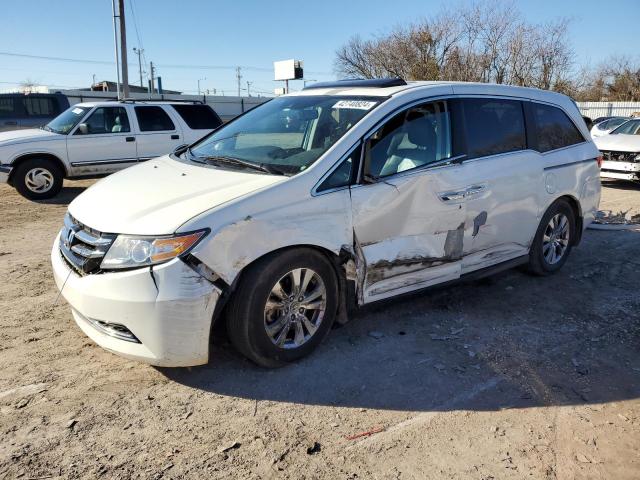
[
  {"x": 98, "y": 138},
  {"x": 314, "y": 203}
]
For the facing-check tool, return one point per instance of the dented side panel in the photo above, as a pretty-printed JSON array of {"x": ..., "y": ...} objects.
[
  {"x": 323, "y": 221},
  {"x": 502, "y": 206},
  {"x": 408, "y": 236}
]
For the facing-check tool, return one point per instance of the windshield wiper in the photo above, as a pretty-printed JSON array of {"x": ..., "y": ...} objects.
[{"x": 262, "y": 167}]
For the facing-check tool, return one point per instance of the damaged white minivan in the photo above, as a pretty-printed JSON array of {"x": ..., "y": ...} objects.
[{"x": 282, "y": 221}]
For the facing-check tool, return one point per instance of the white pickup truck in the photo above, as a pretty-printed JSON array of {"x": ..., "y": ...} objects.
[{"x": 97, "y": 138}]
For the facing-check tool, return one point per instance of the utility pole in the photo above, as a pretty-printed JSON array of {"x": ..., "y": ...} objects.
[
  {"x": 153, "y": 76},
  {"x": 139, "y": 52},
  {"x": 115, "y": 39},
  {"x": 239, "y": 78},
  {"x": 93, "y": 82},
  {"x": 249, "y": 88},
  {"x": 123, "y": 51}
]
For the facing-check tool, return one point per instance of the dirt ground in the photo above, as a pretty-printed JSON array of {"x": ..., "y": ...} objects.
[{"x": 510, "y": 377}]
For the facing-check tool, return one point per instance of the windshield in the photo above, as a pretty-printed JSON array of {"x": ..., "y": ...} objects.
[
  {"x": 611, "y": 123},
  {"x": 68, "y": 119},
  {"x": 285, "y": 135},
  {"x": 632, "y": 127}
]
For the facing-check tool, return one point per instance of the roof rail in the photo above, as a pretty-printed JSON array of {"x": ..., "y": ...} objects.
[
  {"x": 359, "y": 82},
  {"x": 136, "y": 100}
]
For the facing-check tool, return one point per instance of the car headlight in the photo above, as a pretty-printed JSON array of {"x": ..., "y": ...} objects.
[{"x": 130, "y": 251}]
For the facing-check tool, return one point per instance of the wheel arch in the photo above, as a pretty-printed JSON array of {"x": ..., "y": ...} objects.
[
  {"x": 346, "y": 295},
  {"x": 574, "y": 203},
  {"x": 44, "y": 155}
]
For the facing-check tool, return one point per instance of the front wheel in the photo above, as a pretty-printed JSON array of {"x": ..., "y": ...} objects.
[
  {"x": 283, "y": 307},
  {"x": 552, "y": 243},
  {"x": 37, "y": 179}
]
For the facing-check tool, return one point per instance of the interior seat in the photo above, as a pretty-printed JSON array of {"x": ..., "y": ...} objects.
[
  {"x": 117, "y": 125},
  {"x": 420, "y": 132}
]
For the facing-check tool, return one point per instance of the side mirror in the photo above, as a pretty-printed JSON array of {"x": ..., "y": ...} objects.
[
  {"x": 83, "y": 129},
  {"x": 180, "y": 149}
]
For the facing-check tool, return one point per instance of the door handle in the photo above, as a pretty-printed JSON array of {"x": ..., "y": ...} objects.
[
  {"x": 130, "y": 139},
  {"x": 11, "y": 123},
  {"x": 452, "y": 196},
  {"x": 474, "y": 190},
  {"x": 175, "y": 137}
]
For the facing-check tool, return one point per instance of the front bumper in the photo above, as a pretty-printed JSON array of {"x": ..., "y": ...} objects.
[
  {"x": 5, "y": 171},
  {"x": 168, "y": 310},
  {"x": 620, "y": 170}
]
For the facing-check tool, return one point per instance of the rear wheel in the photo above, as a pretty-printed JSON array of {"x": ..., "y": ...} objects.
[
  {"x": 37, "y": 179},
  {"x": 283, "y": 307},
  {"x": 552, "y": 243}
]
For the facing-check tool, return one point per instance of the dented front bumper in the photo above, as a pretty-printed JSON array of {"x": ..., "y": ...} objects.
[
  {"x": 620, "y": 170},
  {"x": 167, "y": 310}
]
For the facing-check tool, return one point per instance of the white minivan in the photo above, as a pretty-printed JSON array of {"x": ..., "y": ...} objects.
[{"x": 346, "y": 193}]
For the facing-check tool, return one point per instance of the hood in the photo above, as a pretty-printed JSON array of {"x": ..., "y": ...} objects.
[
  {"x": 618, "y": 143},
  {"x": 20, "y": 136},
  {"x": 158, "y": 196}
]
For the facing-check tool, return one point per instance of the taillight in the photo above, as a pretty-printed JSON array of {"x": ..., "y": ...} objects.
[{"x": 599, "y": 160}]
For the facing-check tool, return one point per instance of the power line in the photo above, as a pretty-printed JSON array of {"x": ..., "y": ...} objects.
[{"x": 163, "y": 65}]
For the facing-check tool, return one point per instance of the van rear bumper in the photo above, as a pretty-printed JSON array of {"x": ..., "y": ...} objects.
[{"x": 5, "y": 171}]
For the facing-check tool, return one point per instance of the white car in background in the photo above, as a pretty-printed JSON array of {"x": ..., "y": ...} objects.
[
  {"x": 607, "y": 126},
  {"x": 621, "y": 152},
  {"x": 97, "y": 138},
  {"x": 346, "y": 193}
]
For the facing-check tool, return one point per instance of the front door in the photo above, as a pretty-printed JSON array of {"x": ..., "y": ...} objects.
[
  {"x": 409, "y": 213},
  {"x": 102, "y": 143}
]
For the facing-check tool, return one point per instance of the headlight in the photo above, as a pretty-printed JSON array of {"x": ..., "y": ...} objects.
[{"x": 130, "y": 251}]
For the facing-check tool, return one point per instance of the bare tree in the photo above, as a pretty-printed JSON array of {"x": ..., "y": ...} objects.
[{"x": 487, "y": 41}]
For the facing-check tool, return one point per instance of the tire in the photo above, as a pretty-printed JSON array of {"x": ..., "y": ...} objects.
[
  {"x": 37, "y": 179},
  {"x": 249, "y": 317},
  {"x": 550, "y": 252}
]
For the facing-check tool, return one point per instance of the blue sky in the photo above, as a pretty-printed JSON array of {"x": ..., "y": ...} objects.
[{"x": 253, "y": 34}]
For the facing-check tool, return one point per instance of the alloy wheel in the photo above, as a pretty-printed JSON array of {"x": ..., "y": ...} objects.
[
  {"x": 295, "y": 308},
  {"x": 555, "y": 240}
]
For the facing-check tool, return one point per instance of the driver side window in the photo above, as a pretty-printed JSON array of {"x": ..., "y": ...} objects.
[
  {"x": 106, "y": 120},
  {"x": 413, "y": 138}
]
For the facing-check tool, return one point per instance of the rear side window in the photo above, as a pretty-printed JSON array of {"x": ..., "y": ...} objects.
[
  {"x": 153, "y": 119},
  {"x": 554, "y": 128},
  {"x": 493, "y": 126},
  {"x": 7, "y": 107},
  {"x": 40, "y": 107},
  {"x": 198, "y": 117}
]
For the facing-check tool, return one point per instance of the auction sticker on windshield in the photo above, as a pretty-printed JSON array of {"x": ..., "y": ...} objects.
[
  {"x": 77, "y": 111},
  {"x": 355, "y": 104}
]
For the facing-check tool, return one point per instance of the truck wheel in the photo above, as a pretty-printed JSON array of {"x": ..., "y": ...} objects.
[
  {"x": 552, "y": 243},
  {"x": 37, "y": 179},
  {"x": 283, "y": 307}
]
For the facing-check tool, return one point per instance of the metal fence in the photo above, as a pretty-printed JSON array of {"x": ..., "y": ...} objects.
[{"x": 609, "y": 109}]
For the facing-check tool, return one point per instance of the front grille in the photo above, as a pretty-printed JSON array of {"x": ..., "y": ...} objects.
[
  {"x": 82, "y": 247},
  {"x": 619, "y": 156}
]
